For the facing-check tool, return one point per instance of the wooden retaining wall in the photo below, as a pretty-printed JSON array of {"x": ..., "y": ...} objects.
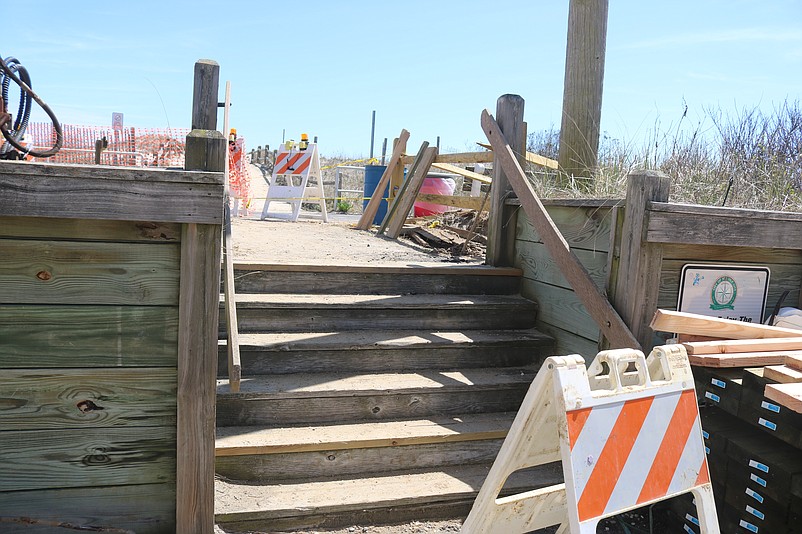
[
  {"x": 109, "y": 284},
  {"x": 651, "y": 240},
  {"x": 586, "y": 225}
]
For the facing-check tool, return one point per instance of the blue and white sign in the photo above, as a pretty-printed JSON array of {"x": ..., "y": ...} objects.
[{"x": 737, "y": 293}]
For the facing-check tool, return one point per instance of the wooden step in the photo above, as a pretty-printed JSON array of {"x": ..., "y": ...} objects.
[
  {"x": 324, "y": 313},
  {"x": 386, "y": 350},
  {"x": 398, "y": 497},
  {"x": 376, "y": 279},
  {"x": 252, "y": 454},
  {"x": 344, "y": 397}
]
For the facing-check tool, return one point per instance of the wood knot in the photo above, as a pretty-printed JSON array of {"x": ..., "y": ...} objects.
[
  {"x": 44, "y": 276},
  {"x": 86, "y": 406}
]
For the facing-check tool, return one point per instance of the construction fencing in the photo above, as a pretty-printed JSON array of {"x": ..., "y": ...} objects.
[{"x": 130, "y": 147}]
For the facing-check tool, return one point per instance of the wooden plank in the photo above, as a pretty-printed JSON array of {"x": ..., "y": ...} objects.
[
  {"x": 531, "y": 157},
  {"x": 561, "y": 307},
  {"x": 88, "y": 336},
  {"x": 381, "y": 268},
  {"x": 788, "y": 395},
  {"x": 637, "y": 282},
  {"x": 538, "y": 264},
  {"x": 744, "y": 345},
  {"x": 794, "y": 363},
  {"x": 72, "y": 272},
  {"x": 782, "y": 374},
  {"x": 396, "y": 196},
  {"x": 144, "y": 509},
  {"x": 368, "y": 214},
  {"x": 701, "y": 325},
  {"x": 610, "y": 323},
  {"x": 232, "y": 333},
  {"x": 86, "y": 197},
  {"x": 97, "y": 230},
  {"x": 680, "y": 223},
  {"x": 35, "y": 399},
  {"x": 197, "y": 369},
  {"x": 741, "y": 359},
  {"x": 458, "y": 157},
  {"x": 462, "y": 172},
  {"x": 236, "y": 441},
  {"x": 471, "y": 203},
  {"x": 543, "y": 161},
  {"x": 56, "y": 172},
  {"x": 406, "y": 199},
  {"x": 48, "y": 459},
  {"x": 586, "y": 228}
]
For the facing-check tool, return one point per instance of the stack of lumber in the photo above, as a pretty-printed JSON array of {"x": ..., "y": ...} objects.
[{"x": 749, "y": 384}]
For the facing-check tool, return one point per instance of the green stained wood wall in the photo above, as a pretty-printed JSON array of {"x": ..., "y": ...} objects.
[
  {"x": 587, "y": 228},
  {"x": 88, "y": 356}
]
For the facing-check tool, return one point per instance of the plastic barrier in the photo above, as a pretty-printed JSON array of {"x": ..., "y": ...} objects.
[{"x": 626, "y": 438}]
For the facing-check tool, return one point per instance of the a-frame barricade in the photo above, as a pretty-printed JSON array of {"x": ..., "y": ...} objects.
[
  {"x": 626, "y": 438},
  {"x": 294, "y": 168}
]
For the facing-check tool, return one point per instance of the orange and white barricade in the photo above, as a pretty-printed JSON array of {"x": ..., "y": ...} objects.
[
  {"x": 295, "y": 167},
  {"x": 626, "y": 438}
]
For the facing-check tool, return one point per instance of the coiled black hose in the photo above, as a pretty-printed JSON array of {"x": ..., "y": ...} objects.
[{"x": 10, "y": 67}]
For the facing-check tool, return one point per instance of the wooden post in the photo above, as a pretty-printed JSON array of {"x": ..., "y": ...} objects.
[
  {"x": 582, "y": 92},
  {"x": 501, "y": 228},
  {"x": 198, "y": 319},
  {"x": 638, "y": 280}
]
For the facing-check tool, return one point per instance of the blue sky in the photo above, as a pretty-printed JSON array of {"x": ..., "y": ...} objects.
[{"x": 430, "y": 67}]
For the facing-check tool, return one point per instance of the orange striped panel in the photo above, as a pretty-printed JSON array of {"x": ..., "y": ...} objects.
[
  {"x": 576, "y": 421},
  {"x": 302, "y": 167},
  {"x": 613, "y": 458},
  {"x": 671, "y": 448},
  {"x": 289, "y": 163},
  {"x": 704, "y": 475}
]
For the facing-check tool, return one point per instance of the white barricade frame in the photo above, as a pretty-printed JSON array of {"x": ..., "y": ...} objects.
[
  {"x": 295, "y": 167},
  {"x": 627, "y": 431}
]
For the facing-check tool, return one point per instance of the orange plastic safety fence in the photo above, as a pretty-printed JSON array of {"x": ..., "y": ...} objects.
[{"x": 132, "y": 147}]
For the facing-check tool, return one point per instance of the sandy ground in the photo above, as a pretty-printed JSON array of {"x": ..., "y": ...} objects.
[{"x": 310, "y": 240}]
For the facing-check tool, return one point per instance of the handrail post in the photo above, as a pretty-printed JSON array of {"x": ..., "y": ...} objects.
[
  {"x": 637, "y": 283},
  {"x": 502, "y": 223}
]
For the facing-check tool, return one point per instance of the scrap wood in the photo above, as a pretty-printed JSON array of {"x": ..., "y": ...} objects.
[
  {"x": 531, "y": 157},
  {"x": 744, "y": 345},
  {"x": 466, "y": 234},
  {"x": 788, "y": 395},
  {"x": 463, "y": 172},
  {"x": 391, "y": 209},
  {"x": 472, "y": 203},
  {"x": 610, "y": 323},
  {"x": 702, "y": 325},
  {"x": 743, "y": 359},
  {"x": 782, "y": 374},
  {"x": 427, "y": 236},
  {"x": 406, "y": 198},
  {"x": 375, "y": 199}
]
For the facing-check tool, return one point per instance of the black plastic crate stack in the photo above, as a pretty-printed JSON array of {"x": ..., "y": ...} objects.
[{"x": 754, "y": 451}]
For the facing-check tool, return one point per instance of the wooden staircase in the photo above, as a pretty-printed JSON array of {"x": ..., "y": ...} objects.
[{"x": 370, "y": 395}]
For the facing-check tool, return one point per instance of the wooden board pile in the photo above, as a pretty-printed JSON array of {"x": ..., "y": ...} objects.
[{"x": 749, "y": 384}]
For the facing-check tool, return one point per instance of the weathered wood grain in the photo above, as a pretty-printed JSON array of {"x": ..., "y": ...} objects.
[
  {"x": 714, "y": 253},
  {"x": 406, "y": 198},
  {"x": 55, "y": 172},
  {"x": 457, "y": 157},
  {"x": 71, "y": 272},
  {"x": 70, "y": 458},
  {"x": 340, "y": 463},
  {"x": 89, "y": 230},
  {"x": 88, "y": 336},
  {"x": 471, "y": 203},
  {"x": 144, "y": 509},
  {"x": 680, "y": 223},
  {"x": 197, "y": 369},
  {"x": 229, "y": 291},
  {"x": 462, "y": 172},
  {"x": 569, "y": 343},
  {"x": 34, "y": 399},
  {"x": 538, "y": 264},
  {"x": 560, "y": 307},
  {"x": 585, "y": 228},
  {"x": 94, "y": 197}
]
